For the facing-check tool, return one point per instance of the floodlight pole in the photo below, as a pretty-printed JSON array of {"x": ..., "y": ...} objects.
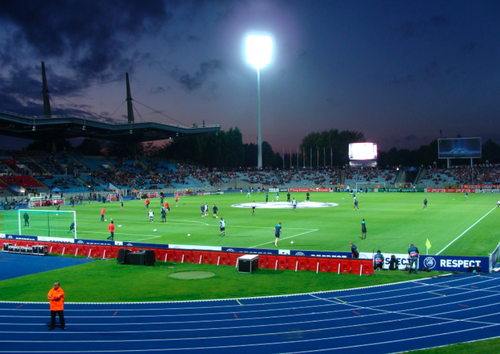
[{"x": 259, "y": 124}]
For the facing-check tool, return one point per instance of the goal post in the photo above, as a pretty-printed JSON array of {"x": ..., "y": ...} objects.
[
  {"x": 370, "y": 186},
  {"x": 49, "y": 223}
]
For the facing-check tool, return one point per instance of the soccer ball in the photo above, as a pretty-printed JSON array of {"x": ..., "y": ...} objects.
[
  {"x": 154, "y": 230},
  {"x": 216, "y": 217},
  {"x": 106, "y": 220},
  {"x": 291, "y": 242},
  {"x": 189, "y": 234}
]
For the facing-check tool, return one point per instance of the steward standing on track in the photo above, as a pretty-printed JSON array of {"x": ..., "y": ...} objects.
[
  {"x": 56, "y": 298},
  {"x": 413, "y": 253}
]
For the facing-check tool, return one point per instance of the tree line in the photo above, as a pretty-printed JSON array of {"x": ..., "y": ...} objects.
[{"x": 226, "y": 149}]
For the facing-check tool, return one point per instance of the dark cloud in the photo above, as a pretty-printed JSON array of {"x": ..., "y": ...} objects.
[
  {"x": 434, "y": 70},
  {"x": 193, "y": 82},
  {"x": 90, "y": 36}
]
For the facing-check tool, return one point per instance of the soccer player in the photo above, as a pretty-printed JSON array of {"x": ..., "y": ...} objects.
[
  {"x": 378, "y": 261},
  {"x": 163, "y": 215},
  {"x": 151, "y": 215},
  {"x": 222, "y": 227},
  {"x": 307, "y": 196},
  {"x": 102, "y": 213},
  {"x": 354, "y": 250},
  {"x": 466, "y": 195},
  {"x": 294, "y": 203},
  {"x": 26, "y": 218},
  {"x": 214, "y": 211},
  {"x": 355, "y": 205},
  {"x": 498, "y": 203},
  {"x": 288, "y": 197},
  {"x": 121, "y": 204},
  {"x": 111, "y": 228},
  {"x": 425, "y": 203},
  {"x": 202, "y": 208},
  {"x": 267, "y": 197},
  {"x": 277, "y": 196},
  {"x": 147, "y": 203},
  {"x": 71, "y": 227},
  {"x": 277, "y": 233},
  {"x": 413, "y": 253},
  {"x": 167, "y": 206},
  {"x": 248, "y": 193},
  {"x": 363, "y": 229},
  {"x": 206, "y": 209},
  {"x": 253, "y": 207},
  {"x": 176, "y": 200}
]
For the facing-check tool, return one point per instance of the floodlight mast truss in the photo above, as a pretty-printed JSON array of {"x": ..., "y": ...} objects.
[{"x": 259, "y": 49}]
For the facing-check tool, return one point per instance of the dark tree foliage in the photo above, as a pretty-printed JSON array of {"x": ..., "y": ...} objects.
[
  {"x": 326, "y": 144},
  {"x": 90, "y": 147}
]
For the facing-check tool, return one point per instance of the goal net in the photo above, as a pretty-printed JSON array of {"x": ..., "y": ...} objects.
[
  {"x": 369, "y": 186},
  {"x": 49, "y": 223},
  {"x": 39, "y": 201}
]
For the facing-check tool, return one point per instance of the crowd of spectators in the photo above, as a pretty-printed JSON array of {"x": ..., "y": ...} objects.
[{"x": 63, "y": 172}]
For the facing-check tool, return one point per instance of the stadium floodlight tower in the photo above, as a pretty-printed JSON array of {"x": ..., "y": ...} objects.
[{"x": 258, "y": 51}]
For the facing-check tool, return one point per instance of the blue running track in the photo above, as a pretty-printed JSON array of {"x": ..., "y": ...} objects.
[{"x": 383, "y": 319}]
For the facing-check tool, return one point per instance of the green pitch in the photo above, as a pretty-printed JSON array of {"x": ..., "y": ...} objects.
[{"x": 453, "y": 225}]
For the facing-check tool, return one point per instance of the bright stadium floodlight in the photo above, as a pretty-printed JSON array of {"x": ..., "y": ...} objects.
[{"x": 259, "y": 49}]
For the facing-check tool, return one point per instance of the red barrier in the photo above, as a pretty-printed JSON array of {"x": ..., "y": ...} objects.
[
  {"x": 197, "y": 257},
  {"x": 282, "y": 262},
  {"x": 271, "y": 262},
  {"x": 263, "y": 262},
  {"x": 345, "y": 266},
  {"x": 324, "y": 265},
  {"x": 356, "y": 267},
  {"x": 334, "y": 266},
  {"x": 367, "y": 267},
  {"x": 224, "y": 259},
  {"x": 207, "y": 257},
  {"x": 303, "y": 263},
  {"x": 314, "y": 264},
  {"x": 215, "y": 257}
]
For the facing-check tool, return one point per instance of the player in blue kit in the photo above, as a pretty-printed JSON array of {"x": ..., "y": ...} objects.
[
  {"x": 277, "y": 233},
  {"x": 363, "y": 229},
  {"x": 354, "y": 250}
]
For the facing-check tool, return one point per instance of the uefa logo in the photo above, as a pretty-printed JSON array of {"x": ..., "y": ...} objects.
[{"x": 429, "y": 262}]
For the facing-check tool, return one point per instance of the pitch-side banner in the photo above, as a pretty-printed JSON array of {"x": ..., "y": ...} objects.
[
  {"x": 449, "y": 190},
  {"x": 309, "y": 190}
]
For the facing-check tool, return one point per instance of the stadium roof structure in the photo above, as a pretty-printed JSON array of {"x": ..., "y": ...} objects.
[
  {"x": 53, "y": 128},
  {"x": 49, "y": 127}
]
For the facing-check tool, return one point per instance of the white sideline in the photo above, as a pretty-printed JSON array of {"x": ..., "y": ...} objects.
[{"x": 463, "y": 233}]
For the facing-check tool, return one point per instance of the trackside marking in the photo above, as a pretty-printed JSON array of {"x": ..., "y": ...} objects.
[
  {"x": 340, "y": 300},
  {"x": 239, "y": 302},
  {"x": 463, "y": 233},
  {"x": 430, "y": 292}
]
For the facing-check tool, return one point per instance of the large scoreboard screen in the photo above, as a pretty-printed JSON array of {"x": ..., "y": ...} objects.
[
  {"x": 362, "y": 151},
  {"x": 459, "y": 148}
]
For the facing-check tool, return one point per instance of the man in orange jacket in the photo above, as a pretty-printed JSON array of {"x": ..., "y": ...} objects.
[{"x": 56, "y": 298}]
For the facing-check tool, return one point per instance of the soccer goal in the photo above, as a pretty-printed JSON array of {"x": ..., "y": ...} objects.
[
  {"x": 369, "y": 186},
  {"x": 44, "y": 200},
  {"x": 49, "y": 223}
]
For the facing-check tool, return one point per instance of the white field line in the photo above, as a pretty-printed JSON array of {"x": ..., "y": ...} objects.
[
  {"x": 285, "y": 238},
  {"x": 463, "y": 233}
]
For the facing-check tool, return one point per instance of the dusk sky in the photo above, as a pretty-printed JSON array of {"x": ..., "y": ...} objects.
[{"x": 398, "y": 71}]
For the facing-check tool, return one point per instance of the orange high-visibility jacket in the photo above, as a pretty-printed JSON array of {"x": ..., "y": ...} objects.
[{"x": 56, "y": 298}]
